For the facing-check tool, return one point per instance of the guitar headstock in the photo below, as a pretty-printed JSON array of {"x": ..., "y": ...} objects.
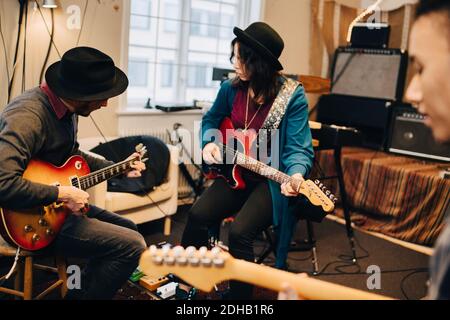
[
  {"x": 318, "y": 194},
  {"x": 200, "y": 268},
  {"x": 142, "y": 150}
]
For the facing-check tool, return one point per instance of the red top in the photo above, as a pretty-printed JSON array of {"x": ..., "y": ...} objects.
[
  {"x": 58, "y": 106},
  {"x": 238, "y": 120},
  {"x": 239, "y": 109}
]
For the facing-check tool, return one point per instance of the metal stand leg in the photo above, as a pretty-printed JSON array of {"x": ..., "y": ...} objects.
[
  {"x": 268, "y": 251},
  {"x": 348, "y": 222},
  {"x": 312, "y": 242}
]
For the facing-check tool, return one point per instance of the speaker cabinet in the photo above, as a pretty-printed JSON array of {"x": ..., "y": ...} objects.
[
  {"x": 410, "y": 136},
  {"x": 370, "y": 116}
]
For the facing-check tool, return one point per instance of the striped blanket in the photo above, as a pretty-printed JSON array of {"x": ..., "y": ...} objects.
[{"x": 398, "y": 196}]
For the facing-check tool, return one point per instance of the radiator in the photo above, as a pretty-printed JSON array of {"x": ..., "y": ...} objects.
[{"x": 184, "y": 189}]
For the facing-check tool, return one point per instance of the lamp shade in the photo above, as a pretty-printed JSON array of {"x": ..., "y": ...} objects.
[{"x": 50, "y": 4}]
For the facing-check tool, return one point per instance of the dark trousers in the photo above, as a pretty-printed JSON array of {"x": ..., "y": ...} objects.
[
  {"x": 253, "y": 209},
  {"x": 112, "y": 245}
]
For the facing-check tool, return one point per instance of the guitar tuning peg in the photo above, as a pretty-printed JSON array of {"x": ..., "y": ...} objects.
[
  {"x": 139, "y": 147},
  {"x": 320, "y": 185},
  {"x": 190, "y": 251},
  {"x": 153, "y": 250},
  {"x": 216, "y": 251},
  {"x": 178, "y": 251},
  {"x": 165, "y": 251},
  {"x": 178, "y": 255},
  {"x": 169, "y": 260},
  {"x": 202, "y": 251},
  {"x": 328, "y": 193},
  {"x": 194, "y": 261},
  {"x": 317, "y": 182},
  {"x": 158, "y": 260}
]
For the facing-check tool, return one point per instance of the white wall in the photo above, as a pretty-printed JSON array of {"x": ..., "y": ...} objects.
[
  {"x": 291, "y": 18},
  {"x": 102, "y": 30}
]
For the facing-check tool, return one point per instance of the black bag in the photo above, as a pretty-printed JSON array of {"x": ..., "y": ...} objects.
[{"x": 118, "y": 150}]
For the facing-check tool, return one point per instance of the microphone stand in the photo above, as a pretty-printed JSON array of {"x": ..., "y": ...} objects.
[{"x": 197, "y": 187}]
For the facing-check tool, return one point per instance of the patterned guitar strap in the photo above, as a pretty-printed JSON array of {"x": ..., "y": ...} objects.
[{"x": 280, "y": 104}]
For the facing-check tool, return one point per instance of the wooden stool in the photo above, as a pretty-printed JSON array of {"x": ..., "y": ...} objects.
[{"x": 24, "y": 273}]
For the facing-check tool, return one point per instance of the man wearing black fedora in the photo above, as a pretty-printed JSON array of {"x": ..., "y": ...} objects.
[{"x": 42, "y": 124}]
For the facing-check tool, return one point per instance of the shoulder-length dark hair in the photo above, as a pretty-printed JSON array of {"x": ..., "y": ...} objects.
[{"x": 263, "y": 76}]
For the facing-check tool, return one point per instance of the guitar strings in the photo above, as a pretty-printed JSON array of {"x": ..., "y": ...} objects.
[
  {"x": 90, "y": 179},
  {"x": 244, "y": 159}
]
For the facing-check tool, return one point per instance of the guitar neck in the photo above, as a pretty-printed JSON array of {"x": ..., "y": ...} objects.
[
  {"x": 104, "y": 174},
  {"x": 307, "y": 288},
  {"x": 263, "y": 169}
]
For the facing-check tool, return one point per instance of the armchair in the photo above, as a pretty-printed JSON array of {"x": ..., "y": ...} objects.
[{"x": 161, "y": 202}]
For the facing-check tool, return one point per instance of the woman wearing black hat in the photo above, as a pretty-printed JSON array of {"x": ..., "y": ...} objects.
[{"x": 258, "y": 98}]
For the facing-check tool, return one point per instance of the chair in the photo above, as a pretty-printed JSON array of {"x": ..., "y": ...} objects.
[
  {"x": 309, "y": 244},
  {"x": 161, "y": 202},
  {"x": 23, "y": 275},
  {"x": 268, "y": 235}
]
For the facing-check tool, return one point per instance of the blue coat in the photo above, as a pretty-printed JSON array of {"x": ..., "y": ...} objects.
[{"x": 295, "y": 151}]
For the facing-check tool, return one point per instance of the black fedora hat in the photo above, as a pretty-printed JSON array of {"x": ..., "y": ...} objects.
[
  {"x": 264, "y": 40},
  {"x": 86, "y": 74}
]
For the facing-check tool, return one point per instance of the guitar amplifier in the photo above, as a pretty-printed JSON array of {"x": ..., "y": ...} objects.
[
  {"x": 366, "y": 83},
  {"x": 369, "y": 73},
  {"x": 410, "y": 136}
]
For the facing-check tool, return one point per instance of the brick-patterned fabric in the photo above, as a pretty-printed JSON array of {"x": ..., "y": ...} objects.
[{"x": 398, "y": 196}]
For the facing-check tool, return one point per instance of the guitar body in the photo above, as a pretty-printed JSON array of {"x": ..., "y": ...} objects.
[
  {"x": 35, "y": 228},
  {"x": 238, "y": 140}
]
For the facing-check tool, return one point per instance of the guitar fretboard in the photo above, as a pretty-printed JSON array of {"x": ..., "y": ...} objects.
[
  {"x": 104, "y": 174},
  {"x": 259, "y": 167}
]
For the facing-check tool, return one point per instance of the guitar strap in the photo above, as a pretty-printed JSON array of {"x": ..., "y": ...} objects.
[{"x": 280, "y": 104}]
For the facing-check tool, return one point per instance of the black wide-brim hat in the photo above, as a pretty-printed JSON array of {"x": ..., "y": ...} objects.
[
  {"x": 264, "y": 40},
  {"x": 86, "y": 74}
]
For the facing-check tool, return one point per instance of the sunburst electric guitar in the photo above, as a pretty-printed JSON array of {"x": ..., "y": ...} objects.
[
  {"x": 204, "y": 269},
  {"x": 235, "y": 140},
  {"x": 35, "y": 228}
]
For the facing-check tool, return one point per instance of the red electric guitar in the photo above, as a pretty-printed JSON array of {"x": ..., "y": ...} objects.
[
  {"x": 35, "y": 228},
  {"x": 234, "y": 140}
]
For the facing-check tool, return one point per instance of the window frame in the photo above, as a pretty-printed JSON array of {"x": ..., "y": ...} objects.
[{"x": 250, "y": 10}]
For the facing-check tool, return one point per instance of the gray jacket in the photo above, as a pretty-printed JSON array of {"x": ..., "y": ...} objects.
[{"x": 30, "y": 129}]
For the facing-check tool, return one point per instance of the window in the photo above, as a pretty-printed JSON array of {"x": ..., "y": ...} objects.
[
  {"x": 140, "y": 13},
  {"x": 198, "y": 77},
  {"x": 138, "y": 72},
  {"x": 167, "y": 75},
  {"x": 173, "y": 45},
  {"x": 171, "y": 12}
]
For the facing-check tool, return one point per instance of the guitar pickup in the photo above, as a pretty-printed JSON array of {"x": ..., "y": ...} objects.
[{"x": 75, "y": 182}]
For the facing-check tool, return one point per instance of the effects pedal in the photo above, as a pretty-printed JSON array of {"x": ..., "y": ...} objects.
[
  {"x": 167, "y": 291},
  {"x": 137, "y": 274},
  {"x": 153, "y": 284}
]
